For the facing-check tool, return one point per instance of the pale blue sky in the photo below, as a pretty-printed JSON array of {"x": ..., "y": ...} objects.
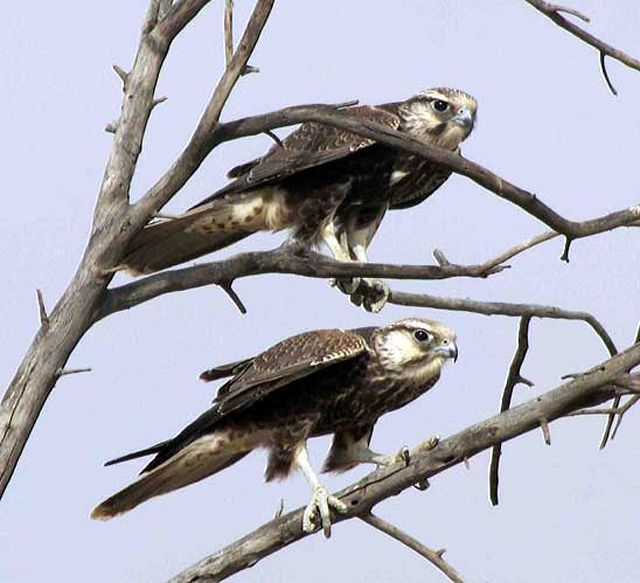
[{"x": 547, "y": 122}]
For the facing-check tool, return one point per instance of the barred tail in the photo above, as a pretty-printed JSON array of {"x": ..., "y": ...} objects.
[
  {"x": 200, "y": 459},
  {"x": 170, "y": 243}
]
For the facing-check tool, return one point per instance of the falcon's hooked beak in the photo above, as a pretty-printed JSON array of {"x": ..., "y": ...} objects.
[
  {"x": 448, "y": 349},
  {"x": 464, "y": 118}
]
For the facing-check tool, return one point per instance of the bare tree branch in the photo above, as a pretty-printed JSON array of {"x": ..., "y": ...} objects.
[
  {"x": 228, "y": 31},
  {"x": 198, "y": 147},
  {"x": 513, "y": 378},
  {"x": 609, "y": 426},
  {"x": 434, "y": 557},
  {"x": 114, "y": 223},
  {"x": 502, "y": 309},
  {"x": 553, "y": 11},
  {"x": 281, "y": 260},
  {"x": 456, "y": 163},
  {"x": 587, "y": 390},
  {"x": 72, "y": 315}
]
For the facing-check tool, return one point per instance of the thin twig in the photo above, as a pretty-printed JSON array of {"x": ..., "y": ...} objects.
[
  {"x": 554, "y": 12},
  {"x": 228, "y": 31},
  {"x": 202, "y": 140},
  {"x": 616, "y": 403},
  {"x": 434, "y": 557},
  {"x": 572, "y": 11},
  {"x": 630, "y": 403},
  {"x": 42, "y": 310},
  {"x": 521, "y": 247},
  {"x": 227, "y": 287},
  {"x": 275, "y": 138},
  {"x": 546, "y": 433},
  {"x": 594, "y": 411},
  {"x": 67, "y": 371},
  {"x": 124, "y": 76},
  {"x": 513, "y": 378},
  {"x": 513, "y": 310},
  {"x": 605, "y": 73}
]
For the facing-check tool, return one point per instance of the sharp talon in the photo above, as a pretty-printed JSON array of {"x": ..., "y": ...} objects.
[
  {"x": 405, "y": 455},
  {"x": 422, "y": 485},
  {"x": 375, "y": 294},
  {"x": 349, "y": 286},
  {"x": 320, "y": 505},
  {"x": 430, "y": 443}
]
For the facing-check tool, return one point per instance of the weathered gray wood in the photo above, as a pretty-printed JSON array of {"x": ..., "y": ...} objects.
[{"x": 73, "y": 314}]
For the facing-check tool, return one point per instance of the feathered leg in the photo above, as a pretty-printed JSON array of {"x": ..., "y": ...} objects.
[{"x": 372, "y": 294}]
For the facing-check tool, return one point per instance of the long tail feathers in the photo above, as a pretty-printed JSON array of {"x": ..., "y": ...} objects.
[
  {"x": 136, "y": 454},
  {"x": 170, "y": 243},
  {"x": 190, "y": 465}
]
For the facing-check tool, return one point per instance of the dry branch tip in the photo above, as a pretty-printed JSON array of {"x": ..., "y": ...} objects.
[
  {"x": 61, "y": 372},
  {"x": 546, "y": 434},
  {"x": 605, "y": 74},
  {"x": 124, "y": 75},
  {"x": 235, "y": 298},
  {"x": 42, "y": 310}
]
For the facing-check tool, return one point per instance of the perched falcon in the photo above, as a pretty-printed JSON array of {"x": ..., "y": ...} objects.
[
  {"x": 317, "y": 383},
  {"x": 325, "y": 184}
]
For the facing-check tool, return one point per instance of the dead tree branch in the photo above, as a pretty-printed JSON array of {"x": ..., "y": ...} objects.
[
  {"x": 327, "y": 115},
  {"x": 510, "y": 309},
  {"x": 513, "y": 378},
  {"x": 609, "y": 426},
  {"x": 554, "y": 12},
  {"x": 200, "y": 145},
  {"x": 588, "y": 390},
  {"x": 434, "y": 557},
  {"x": 114, "y": 222},
  {"x": 281, "y": 260}
]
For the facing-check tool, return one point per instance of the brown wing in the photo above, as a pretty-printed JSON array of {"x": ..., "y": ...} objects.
[
  {"x": 288, "y": 361},
  {"x": 311, "y": 145}
]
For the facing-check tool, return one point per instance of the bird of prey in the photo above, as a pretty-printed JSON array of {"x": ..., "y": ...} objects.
[
  {"x": 324, "y": 184},
  {"x": 317, "y": 383}
]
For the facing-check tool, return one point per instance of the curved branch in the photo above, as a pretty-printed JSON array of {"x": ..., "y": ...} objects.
[
  {"x": 511, "y": 309},
  {"x": 553, "y": 12},
  {"x": 198, "y": 147},
  {"x": 513, "y": 378},
  {"x": 456, "y": 163},
  {"x": 589, "y": 389},
  {"x": 434, "y": 557},
  {"x": 281, "y": 260}
]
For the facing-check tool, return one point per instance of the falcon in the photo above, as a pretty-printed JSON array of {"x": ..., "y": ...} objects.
[
  {"x": 317, "y": 383},
  {"x": 325, "y": 185}
]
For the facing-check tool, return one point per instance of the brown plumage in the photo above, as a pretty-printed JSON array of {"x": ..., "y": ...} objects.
[
  {"x": 322, "y": 382},
  {"x": 324, "y": 184}
]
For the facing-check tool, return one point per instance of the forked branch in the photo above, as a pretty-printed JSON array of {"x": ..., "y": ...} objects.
[
  {"x": 555, "y": 13},
  {"x": 513, "y": 378}
]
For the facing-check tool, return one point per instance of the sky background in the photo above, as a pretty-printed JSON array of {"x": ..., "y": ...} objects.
[{"x": 546, "y": 122}]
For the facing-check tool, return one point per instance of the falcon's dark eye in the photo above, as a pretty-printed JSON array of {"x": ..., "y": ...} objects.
[
  {"x": 422, "y": 335},
  {"x": 440, "y": 105}
]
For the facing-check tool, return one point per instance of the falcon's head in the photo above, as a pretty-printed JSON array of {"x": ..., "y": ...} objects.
[
  {"x": 442, "y": 116},
  {"x": 415, "y": 347}
]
